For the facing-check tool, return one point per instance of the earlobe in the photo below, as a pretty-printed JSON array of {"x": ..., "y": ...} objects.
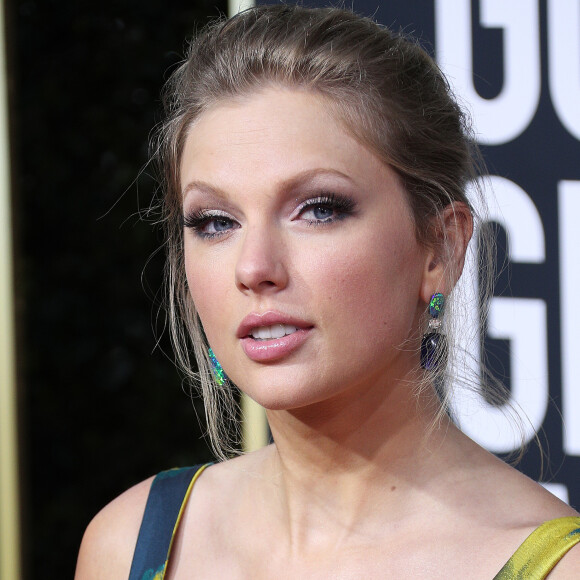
[{"x": 452, "y": 230}]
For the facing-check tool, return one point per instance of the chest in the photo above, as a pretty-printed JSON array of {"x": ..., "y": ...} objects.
[{"x": 243, "y": 552}]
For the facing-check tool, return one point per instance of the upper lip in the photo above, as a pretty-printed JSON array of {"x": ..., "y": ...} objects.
[{"x": 269, "y": 318}]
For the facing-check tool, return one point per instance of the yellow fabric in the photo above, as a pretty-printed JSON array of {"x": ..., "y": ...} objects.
[{"x": 542, "y": 550}]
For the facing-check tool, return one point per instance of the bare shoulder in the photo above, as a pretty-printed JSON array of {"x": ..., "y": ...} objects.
[
  {"x": 227, "y": 501},
  {"x": 219, "y": 489},
  {"x": 230, "y": 491},
  {"x": 234, "y": 471},
  {"x": 568, "y": 567},
  {"x": 551, "y": 507},
  {"x": 506, "y": 495},
  {"x": 533, "y": 501},
  {"x": 109, "y": 541}
]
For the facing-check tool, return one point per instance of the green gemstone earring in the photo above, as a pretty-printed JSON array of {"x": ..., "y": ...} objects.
[
  {"x": 217, "y": 370},
  {"x": 434, "y": 343}
]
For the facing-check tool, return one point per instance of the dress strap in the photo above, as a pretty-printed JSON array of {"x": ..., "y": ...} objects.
[
  {"x": 167, "y": 499},
  {"x": 542, "y": 550}
]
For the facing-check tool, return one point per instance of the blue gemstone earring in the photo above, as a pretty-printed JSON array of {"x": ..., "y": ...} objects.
[
  {"x": 216, "y": 368},
  {"x": 434, "y": 343}
]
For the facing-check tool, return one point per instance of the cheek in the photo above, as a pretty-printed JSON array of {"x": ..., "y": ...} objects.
[
  {"x": 207, "y": 288},
  {"x": 371, "y": 289}
]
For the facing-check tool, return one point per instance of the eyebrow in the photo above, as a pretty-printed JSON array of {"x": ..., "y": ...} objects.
[
  {"x": 311, "y": 174},
  {"x": 202, "y": 187},
  {"x": 293, "y": 182}
]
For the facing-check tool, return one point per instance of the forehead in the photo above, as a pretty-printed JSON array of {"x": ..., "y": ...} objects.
[{"x": 267, "y": 138}]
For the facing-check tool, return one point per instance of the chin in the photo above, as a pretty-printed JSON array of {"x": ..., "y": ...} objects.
[
  {"x": 277, "y": 401},
  {"x": 287, "y": 396}
]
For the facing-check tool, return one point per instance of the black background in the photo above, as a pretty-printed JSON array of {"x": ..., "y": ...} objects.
[{"x": 102, "y": 407}]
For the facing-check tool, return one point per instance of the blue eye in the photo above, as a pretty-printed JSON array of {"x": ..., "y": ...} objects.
[
  {"x": 321, "y": 212},
  {"x": 209, "y": 224},
  {"x": 326, "y": 209},
  {"x": 218, "y": 225}
]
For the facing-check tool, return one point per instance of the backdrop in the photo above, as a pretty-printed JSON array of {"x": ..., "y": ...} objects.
[
  {"x": 516, "y": 66},
  {"x": 102, "y": 406}
]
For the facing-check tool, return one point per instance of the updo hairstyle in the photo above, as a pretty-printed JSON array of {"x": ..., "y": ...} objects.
[{"x": 385, "y": 89}]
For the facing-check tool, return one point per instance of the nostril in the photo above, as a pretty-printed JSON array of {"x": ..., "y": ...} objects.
[{"x": 264, "y": 284}]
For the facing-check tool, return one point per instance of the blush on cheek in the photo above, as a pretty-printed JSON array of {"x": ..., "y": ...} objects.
[
  {"x": 201, "y": 290},
  {"x": 380, "y": 287}
]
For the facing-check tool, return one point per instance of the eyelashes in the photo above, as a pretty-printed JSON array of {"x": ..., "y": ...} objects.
[
  {"x": 208, "y": 223},
  {"x": 325, "y": 209},
  {"x": 321, "y": 210}
]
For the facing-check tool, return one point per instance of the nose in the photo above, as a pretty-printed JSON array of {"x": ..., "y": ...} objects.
[{"x": 261, "y": 266}]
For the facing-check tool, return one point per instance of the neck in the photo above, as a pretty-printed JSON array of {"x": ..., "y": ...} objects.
[
  {"x": 377, "y": 424},
  {"x": 341, "y": 456}
]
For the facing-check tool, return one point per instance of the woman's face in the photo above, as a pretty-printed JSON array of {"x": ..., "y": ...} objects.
[{"x": 300, "y": 251}]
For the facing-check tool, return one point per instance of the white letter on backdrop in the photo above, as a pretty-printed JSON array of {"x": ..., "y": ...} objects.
[
  {"x": 569, "y": 210},
  {"x": 522, "y": 321},
  {"x": 506, "y": 116},
  {"x": 564, "y": 61}
]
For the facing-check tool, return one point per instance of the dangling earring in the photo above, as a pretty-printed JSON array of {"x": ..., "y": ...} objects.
[
  {"x": 216, "y": 368},
  {"x": 434, "y": 343}
]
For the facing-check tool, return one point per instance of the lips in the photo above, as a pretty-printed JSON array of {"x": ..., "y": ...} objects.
[{"x": 272, "y": 335}]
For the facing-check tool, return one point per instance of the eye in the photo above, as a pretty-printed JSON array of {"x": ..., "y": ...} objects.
[
  {"x": 319, "y": 212},
  {"x": 209, "y": 223},
  {"x": 325, "y": 209}
]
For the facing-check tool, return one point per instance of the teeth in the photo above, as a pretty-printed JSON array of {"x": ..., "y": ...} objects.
[{"x": 274, "y": 331}]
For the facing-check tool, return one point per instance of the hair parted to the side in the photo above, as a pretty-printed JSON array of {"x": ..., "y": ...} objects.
[{"x": 382, "y": 86}]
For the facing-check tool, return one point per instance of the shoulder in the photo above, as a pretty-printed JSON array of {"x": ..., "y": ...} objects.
[
  {"x": 223, "y": 486},
  {"x": 552, "y": 549},
  {"x": 569, "y": 566},
  {"x": 109, "y": 541},
  {"x": 527, "y": 507},
  {"x": 230, "y": 491},
  {"x": 505, "y": 496},
  {"x": 227, "y": 501},
  {"x": 563, "y": 534}
]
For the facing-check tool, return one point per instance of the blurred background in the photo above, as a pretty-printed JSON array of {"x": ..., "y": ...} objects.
[{"x": 100, "y": 404}]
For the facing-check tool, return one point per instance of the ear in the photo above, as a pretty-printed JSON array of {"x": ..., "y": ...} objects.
[{"x": 451, "y": 231}]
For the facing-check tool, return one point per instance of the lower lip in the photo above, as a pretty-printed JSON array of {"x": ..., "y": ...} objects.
[{"x": 274, "y": 349}]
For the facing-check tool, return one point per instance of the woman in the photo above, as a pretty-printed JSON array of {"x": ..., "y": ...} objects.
[{"x": 315, "y": 171}]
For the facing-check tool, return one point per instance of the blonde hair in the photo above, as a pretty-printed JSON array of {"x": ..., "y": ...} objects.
[{"x": 384, "y": 87}]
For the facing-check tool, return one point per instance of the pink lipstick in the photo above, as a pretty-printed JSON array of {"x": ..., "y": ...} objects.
[{"x": 272, "y": 335}]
